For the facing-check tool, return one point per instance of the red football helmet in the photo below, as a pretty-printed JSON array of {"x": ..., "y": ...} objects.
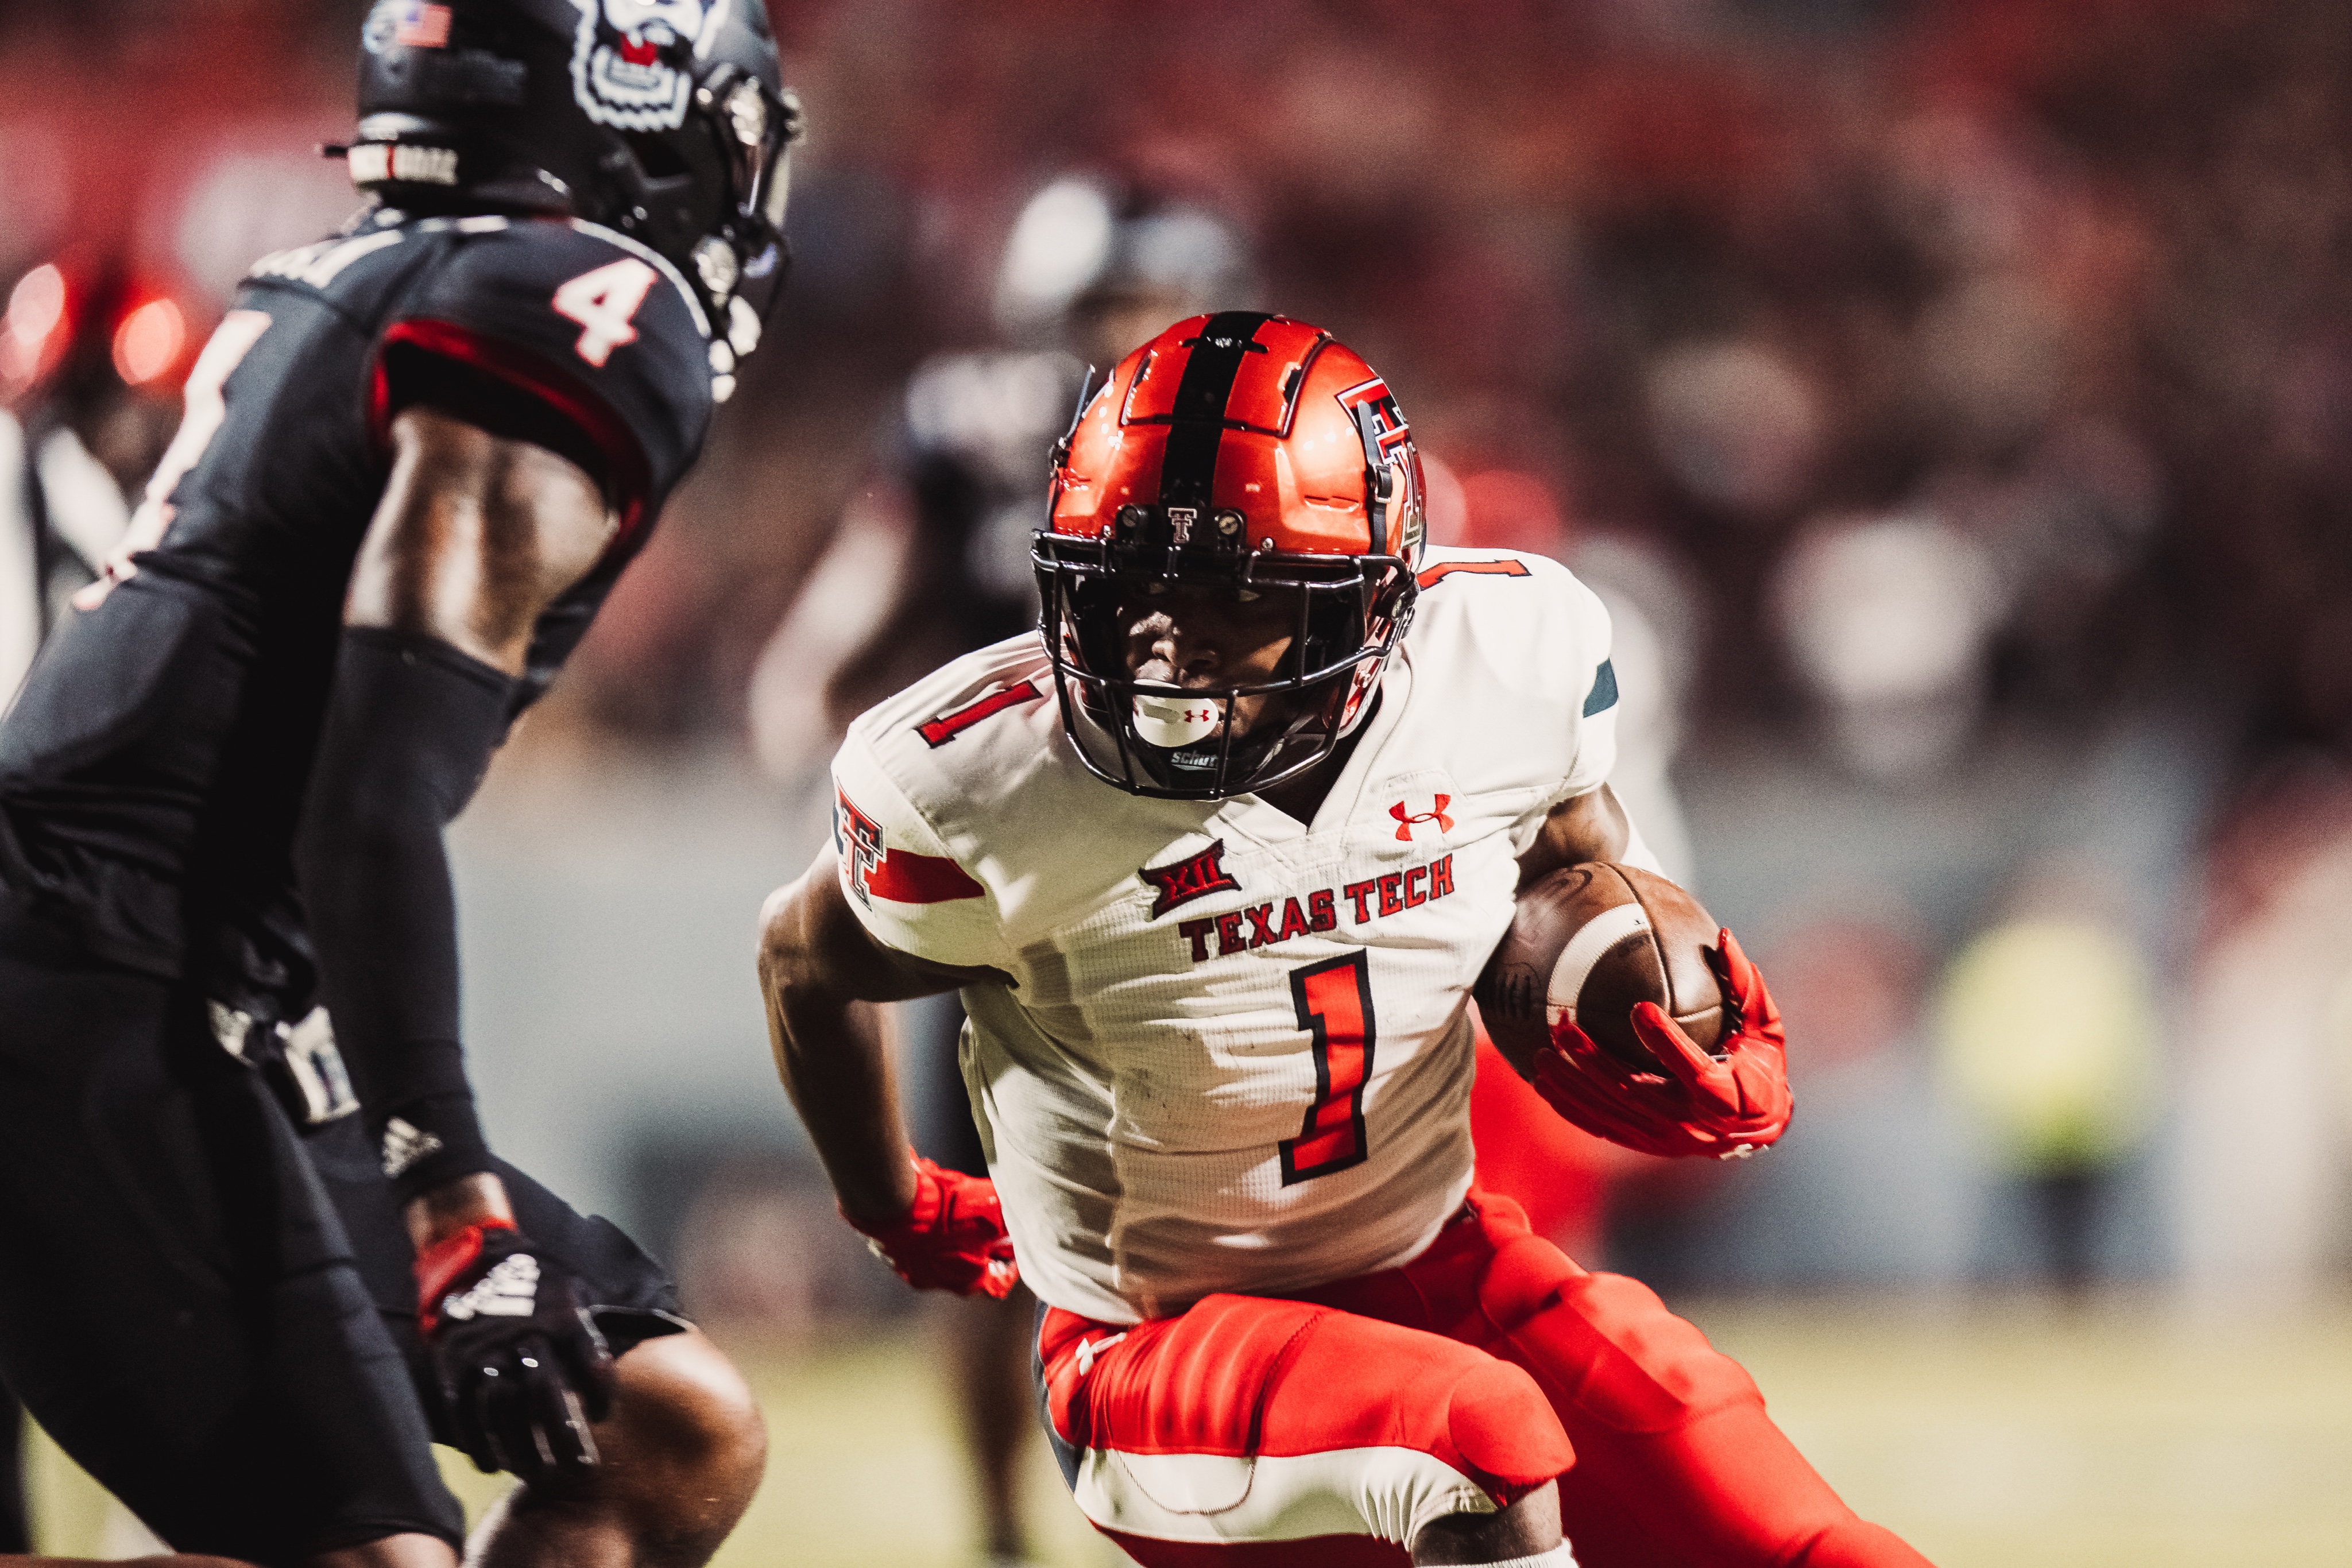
[{"x": 1240, "y": 452}]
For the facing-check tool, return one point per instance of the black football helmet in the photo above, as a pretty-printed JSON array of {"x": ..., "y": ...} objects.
[{"x": 666, "y": 120}]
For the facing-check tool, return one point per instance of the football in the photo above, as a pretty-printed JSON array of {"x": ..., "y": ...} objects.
[{"x": 1587, "y": 943}]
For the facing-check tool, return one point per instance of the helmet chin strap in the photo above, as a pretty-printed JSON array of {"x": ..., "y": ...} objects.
[{"x": 1379, "y": 479}]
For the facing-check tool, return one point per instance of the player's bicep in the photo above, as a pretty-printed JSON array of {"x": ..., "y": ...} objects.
[
  {"x": 477, "y": 534},
  {"x": 1592, "y": 826},
  {"x": 812, "y": 944}
]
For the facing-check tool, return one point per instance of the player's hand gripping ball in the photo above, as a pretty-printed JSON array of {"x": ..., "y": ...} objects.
[
  {"x": 1636, "y": 1016},
  {"x": 522, "y": 1369},
  {"x": 952, "y": 1240}
]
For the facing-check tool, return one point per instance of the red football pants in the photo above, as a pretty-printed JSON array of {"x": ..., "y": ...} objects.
[{"x": 1325, "y": 1431}]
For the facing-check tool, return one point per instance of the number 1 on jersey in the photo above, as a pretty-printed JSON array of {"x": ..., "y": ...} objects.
[
  {"x": 604, "y": 302},
  {"x": 1335, "y": 1006}
]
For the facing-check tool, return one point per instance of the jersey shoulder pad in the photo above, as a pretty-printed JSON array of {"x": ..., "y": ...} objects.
[
  {"x": 976, "y": 754},
  {"x": 1539, "y": 630},
  {"x": 903, "y": 841},
  {"x": 903, "y": 883},
  {"x": 1521, "y": 631},
  {"x": 968, "y": 739},
  {"x": 355, "y": 271},
  {"x": 590, "y": 322}
]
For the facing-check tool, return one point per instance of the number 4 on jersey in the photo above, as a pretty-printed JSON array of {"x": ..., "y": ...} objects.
[
  {"x": 1335, "y": 1006},
  {"x": 604, "y": 302}
]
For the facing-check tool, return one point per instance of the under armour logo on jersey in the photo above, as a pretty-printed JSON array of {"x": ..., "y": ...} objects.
[
  {"x": 1195, "y": 876},
  {"x": 404, "y": 1144},
  {"x": 510, "y": 1289},
  {"x": 1408, "y": 820}
]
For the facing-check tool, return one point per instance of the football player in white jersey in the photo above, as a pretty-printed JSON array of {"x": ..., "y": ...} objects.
[{"x": 1214, "y": 862}]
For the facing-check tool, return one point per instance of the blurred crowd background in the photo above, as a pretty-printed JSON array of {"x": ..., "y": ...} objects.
[{"x": 1954, "y": 397}]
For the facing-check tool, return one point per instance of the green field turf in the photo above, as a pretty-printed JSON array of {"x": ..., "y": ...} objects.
[{"x": 2013, "y": 1433}]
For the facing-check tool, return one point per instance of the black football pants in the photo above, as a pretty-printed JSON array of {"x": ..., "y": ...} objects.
[
  {"x": 178, "y": 1306},
  {"x": 183, "y": 1305},
  {"x": 16, "y": 1526}
]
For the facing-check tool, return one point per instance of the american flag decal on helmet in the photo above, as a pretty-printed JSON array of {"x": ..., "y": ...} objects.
[{"x": 421, "y": 27}]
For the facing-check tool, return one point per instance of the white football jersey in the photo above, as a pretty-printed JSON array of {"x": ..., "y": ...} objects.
[{"x": 1235, "y": 1055}]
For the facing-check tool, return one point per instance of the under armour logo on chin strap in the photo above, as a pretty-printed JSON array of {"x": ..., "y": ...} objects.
[{"x": 1436, "y": 814}]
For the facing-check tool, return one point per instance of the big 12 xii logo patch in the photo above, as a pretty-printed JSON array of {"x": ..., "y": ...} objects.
[{"x": 628, "y": 67}]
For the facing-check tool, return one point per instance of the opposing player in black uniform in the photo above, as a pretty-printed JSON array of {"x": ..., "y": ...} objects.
[{"x": 415, "y": 457}]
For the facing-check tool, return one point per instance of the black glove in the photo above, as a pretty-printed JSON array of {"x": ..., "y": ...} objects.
[{"x": 522, "y": 1369}]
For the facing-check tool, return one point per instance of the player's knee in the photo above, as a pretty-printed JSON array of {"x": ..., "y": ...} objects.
[
  {"x": 1505, "y": 1431},
  {"x": 682, "y": 1408},
  {"x": 1610, "y": 1347}
]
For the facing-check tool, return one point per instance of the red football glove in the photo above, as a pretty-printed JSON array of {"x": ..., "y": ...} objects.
[
  {"x": 1727, "y": 1108},
  {"x": 952, "y": 1240}
]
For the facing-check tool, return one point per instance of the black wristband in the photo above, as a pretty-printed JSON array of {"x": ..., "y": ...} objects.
[{"x": 423, "y": 1123}]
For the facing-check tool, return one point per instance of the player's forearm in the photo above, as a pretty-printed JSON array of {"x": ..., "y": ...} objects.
[
  {"x": 409, "y": 730},
  {"x": 835, "y": 1068},
  {"x": 838, "y": 1076}
]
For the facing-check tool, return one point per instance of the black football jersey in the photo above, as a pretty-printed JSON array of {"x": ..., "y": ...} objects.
[{"x": 154, "y": 768}]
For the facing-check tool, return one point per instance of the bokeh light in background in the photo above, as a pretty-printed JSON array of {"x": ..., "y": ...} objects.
[
  {"x": 149, "y": 341},
  {"x": 36, "y": 308},
  {"x": 1954, "y": 396}
]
